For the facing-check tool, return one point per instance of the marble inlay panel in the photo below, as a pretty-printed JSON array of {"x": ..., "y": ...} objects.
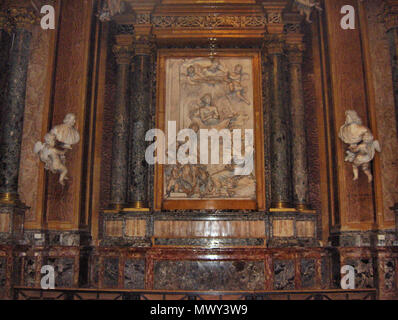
[
  {"x": 284, "y": 275},
  {"x": 134, "y": 274},
  {"x": 209, "y": 275},
  {"x": 3, "y": 268},
  {"x": 135, "y": 228},
  {"x": 4, "y": 222},
  {"x": 283, "y": 228},
  {"x": 64, "y": 271},
  {"x": 389, "y": 274},
  {"x": 305, "y": 229},
  {"x": 364, "y": 277},
  {"x": 29, "y": 271},
  {"x": 114, "y": 228},
  {"x": 111, "y": 272},
  {"x": 308, "y": 273}
]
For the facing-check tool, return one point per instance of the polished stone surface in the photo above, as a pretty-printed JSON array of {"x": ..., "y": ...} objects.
[
  {"x": 280, "y": 134},
  {"x": 299, "y": 143},
  {"x": 209, "y": 275},
  {"x": 12, "y": 119},
  {"x": 64, "y": 271},
  {"x": 2, "y": 272},
  {"x": 308, "y": 273},
  {"x": 139, "y": 125},
  {"x": 120, "y": 139},
  {"x": 284, "y": 275},
  {"x": 134, "y": 274},
  {"x": 364, "y": 276},
  {"x": 111, "y": 272}
]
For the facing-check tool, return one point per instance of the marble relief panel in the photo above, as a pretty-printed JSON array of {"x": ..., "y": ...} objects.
[
  {"x": 203, "y": 93},
  {"x": 209, "y": 275}
]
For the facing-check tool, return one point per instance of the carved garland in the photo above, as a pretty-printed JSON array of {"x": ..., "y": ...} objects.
[{"x": 209, "y": 22}]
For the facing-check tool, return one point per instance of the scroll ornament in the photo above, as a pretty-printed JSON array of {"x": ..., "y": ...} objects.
[
  {"x": 306, "y": 7},
  {"x": 56, "y": 143},
  {"x": 362, "y": 145}
]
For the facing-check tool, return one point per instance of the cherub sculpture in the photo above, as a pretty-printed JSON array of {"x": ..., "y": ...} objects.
[
  {"x": 306, "y": 6},
  {"x": 54, "y": 158},
  {"x": 110, "y": 9},
  {"x": 362, "y": 146}
]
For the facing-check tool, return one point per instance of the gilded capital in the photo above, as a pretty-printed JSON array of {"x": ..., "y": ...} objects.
[
  {"x": 123, "y": 49},
  {"x": 391, "y": 14},
  {"x": 295, "y": 53},
  {"x": 5, "y": 22},
  {"x": 274, "y": 45},
  {"x": 144, "y": 44}
]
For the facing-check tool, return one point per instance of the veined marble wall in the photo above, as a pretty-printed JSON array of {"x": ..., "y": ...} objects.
[
  {"x": 384, "y": 107},
  {"x": 33, "y": 120}
]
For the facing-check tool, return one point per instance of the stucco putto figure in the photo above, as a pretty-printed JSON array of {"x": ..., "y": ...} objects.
[
  {"x": 56, "y": 143},
  {"x": 362, "y": 145},
  {"x": 306, "y": 6}
]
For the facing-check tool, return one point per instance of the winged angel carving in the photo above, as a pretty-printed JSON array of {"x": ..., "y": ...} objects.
[{"x": 60, "y": 139}]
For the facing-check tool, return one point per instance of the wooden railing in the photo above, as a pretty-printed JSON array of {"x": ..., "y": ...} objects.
[{"x": 26, "y": 293}]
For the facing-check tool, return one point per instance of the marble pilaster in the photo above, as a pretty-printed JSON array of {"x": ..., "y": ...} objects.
[
  {"x": 299, "y": 144},
  {"x": 123, "y": 51},
  {"x": 280, "y": 157},
  {"x": 391, "y": 23}
]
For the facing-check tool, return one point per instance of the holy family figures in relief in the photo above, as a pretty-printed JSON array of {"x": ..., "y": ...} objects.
[{"x": 210, "y": 93}]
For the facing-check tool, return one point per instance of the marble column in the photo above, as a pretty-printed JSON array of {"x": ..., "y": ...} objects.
[
  {"x": 123, "y": 51},
  {"x": 299, "y": 143},
  {"x": 139, "y": 123},
  {"x": 280, "y": 156},
  {"x": 11, "y": 124}
]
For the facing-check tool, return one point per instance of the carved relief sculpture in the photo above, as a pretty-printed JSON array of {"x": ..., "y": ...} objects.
[
  {"x": 362, "y": 146},
  {"x": 306, "y": 7},
  {"x": 54, "y": 159}
]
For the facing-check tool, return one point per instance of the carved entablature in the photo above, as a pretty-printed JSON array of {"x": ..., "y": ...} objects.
[{"x": 245, "y": 19}]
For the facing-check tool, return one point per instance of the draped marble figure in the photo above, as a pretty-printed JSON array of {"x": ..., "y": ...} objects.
[{"x": 362, "y": 145}]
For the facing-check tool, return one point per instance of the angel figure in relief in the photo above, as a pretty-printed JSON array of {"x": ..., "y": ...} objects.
[{"x": 362, "y": 145}]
